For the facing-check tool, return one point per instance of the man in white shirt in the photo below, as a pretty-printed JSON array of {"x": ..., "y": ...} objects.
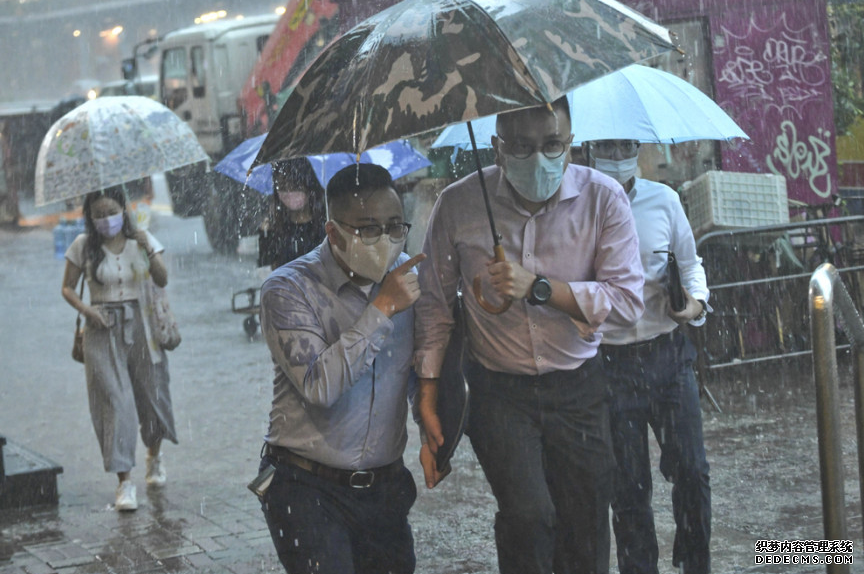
[{"x": 649, "y": 371}]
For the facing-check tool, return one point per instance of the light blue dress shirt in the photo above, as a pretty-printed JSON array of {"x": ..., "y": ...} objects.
[{"x": 343, "y": 368}]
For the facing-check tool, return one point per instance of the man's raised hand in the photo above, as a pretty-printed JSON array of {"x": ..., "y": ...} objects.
[{"x": 400, "y": 288}]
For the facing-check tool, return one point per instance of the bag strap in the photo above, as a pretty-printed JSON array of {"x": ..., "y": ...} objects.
[{"x": 80, "y": 296}]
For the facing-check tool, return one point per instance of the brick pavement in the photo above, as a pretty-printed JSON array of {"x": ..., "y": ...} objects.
[{"x": 175, "y": 530}]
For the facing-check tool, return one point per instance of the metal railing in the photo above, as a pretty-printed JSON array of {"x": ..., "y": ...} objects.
[
  {"x": 725, "y": 292},
  {"x": 828, "y": 293}
]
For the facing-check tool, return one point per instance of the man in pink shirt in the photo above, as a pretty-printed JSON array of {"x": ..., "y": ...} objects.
[{"x": 539, "y": 420}]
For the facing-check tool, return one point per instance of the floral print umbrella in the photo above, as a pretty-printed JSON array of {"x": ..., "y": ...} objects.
[
  {"x": 109, "y": 141},
  {"x": 424, "y": 64}
]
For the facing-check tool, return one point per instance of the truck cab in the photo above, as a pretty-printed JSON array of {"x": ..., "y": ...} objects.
[{"x": 201, "y": 72}]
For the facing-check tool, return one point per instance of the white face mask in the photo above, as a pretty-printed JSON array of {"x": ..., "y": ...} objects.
[
  {"x": 109, "y": 226},
  {"x": 536, "y": 178},
  {"x": 621, "y": 170},
  {"x": 368, "y": 261}
]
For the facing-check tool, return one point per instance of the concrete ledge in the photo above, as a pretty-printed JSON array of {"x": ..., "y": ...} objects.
[{"x": 30, "y": 479}]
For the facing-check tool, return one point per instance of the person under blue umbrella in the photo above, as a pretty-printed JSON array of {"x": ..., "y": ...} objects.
[
  {"x": 295, "y": 224},
  {"x": 648, "y": 369}
]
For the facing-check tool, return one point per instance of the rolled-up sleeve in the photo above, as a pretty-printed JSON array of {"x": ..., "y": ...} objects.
[
  {"x": 684, "y": 246},
  {"x": 614, "y": 298}
]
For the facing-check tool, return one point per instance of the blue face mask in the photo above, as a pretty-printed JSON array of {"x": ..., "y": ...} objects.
[{"x": 536, "y": 178}]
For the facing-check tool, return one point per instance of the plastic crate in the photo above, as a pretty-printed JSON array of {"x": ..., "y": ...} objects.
[{"x": 730, "y": 200}]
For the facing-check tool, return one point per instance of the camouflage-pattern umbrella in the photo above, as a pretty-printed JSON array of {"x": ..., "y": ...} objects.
[{"x": 424, "y": 64}]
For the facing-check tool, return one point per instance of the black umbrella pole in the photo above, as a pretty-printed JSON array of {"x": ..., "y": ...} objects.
[
  {"x": 497, "y": 248},
  {"x": 495, "y": 241}
]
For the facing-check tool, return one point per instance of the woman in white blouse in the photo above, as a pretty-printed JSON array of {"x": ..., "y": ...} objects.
[{"x": 127, "y": 377}]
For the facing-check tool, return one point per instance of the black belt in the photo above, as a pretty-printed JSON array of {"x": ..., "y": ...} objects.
[
  {"x": 352, "y": 478},
  {"x": 638, "y": 350}
]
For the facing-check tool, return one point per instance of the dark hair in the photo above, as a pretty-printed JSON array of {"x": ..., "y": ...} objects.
[
  {"x": 505, "y": 120},
  {"x": 299, "y": 171},
  {"x": 93, "y": 252},
  {"x": 355, "y": 179}
]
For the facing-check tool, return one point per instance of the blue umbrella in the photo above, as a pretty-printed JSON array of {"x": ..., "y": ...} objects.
[
  {"x": 635, "y": 103},
  {"x": 398, "y": 157}
]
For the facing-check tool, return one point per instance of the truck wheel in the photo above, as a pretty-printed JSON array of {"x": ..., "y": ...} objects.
[{"x": 221, "y": 224}]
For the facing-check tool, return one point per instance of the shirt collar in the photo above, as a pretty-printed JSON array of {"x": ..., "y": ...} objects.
[{"x": 335, "y": 277}]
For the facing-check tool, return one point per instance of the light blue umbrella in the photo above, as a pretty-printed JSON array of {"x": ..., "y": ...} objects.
[
  {"x": 635, "y": 103},
  {"x": 398, "y": 157}
]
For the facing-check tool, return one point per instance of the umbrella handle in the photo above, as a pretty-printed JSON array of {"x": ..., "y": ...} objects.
[{"x": 478, "y": 288}]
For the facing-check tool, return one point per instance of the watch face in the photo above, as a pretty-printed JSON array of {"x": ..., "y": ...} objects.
[{"x": 541, "y": 290}]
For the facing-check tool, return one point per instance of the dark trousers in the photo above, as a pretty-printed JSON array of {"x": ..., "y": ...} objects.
[
  {"x": 658, "y": 390},
  {"x": 543, "y": 442},
  {"x": 321, "y": 527}
]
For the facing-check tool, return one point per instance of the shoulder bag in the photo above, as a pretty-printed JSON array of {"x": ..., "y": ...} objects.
[
  {"x": 162, "y": 321},
  {"x": 163, "y": 326}
]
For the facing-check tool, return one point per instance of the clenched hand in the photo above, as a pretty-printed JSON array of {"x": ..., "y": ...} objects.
[{"x": 400, "y": 288}]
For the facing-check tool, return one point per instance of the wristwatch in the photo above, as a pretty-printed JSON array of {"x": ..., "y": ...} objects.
[
  {"x": 541, "y": 291},
  {"x": 704, "y": 312}
]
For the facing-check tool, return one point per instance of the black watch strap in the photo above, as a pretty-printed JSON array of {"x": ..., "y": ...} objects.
[{"x": 540, "y": 292}]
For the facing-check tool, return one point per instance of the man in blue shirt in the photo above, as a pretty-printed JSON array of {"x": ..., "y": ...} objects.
[{"x": 339, "y": 324}]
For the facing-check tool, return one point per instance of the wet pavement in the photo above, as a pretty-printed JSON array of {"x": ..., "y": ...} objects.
[{"x": 762, "y": 448}]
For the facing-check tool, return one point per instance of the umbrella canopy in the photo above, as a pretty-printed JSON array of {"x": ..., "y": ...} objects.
[
  {"x": 424, "y": 64},
  {"x": 109, "y": 141},
  {"x": 634, "y": 103},
  {"x": 399, "y": 158}
]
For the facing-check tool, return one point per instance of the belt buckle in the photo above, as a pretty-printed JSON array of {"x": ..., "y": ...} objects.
[{"x": 361, "y": 479}]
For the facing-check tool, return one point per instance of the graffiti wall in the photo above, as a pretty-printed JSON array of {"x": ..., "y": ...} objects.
[{"x": 772, "y": 75}]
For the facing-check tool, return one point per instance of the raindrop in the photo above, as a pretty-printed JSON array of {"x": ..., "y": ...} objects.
[
  {"x": 296, "y": 542},
  {"x": 281, "y": 534}
]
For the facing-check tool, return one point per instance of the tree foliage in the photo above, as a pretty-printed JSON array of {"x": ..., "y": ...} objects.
[{"x": 847, "y": 62}]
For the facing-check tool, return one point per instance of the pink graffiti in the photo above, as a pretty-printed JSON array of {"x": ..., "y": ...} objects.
[{"x": 797, "y": 159}]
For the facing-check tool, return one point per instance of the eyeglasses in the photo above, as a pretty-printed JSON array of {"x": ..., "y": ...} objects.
[
  {"x": 553, "y": 149},
  {"x": 608, "y": 147},
  {"x": 370, "y": 234}
]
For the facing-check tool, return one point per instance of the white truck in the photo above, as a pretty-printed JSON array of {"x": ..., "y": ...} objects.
[{"x": 202, "y": 69}]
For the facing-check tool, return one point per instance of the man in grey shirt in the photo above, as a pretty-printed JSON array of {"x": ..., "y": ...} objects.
[{"x": 339, "y": 323}]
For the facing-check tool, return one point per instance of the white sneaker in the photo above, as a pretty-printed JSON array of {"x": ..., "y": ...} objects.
[
  {"x": 126, "y": 499},
  {"x": 155, "y": 471}
]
